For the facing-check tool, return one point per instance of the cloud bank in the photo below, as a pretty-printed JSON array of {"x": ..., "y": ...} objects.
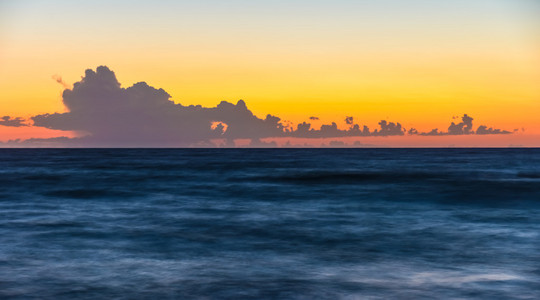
[
  {"x": 107, "y": 114},
  {"x": 462, "y": 128}
]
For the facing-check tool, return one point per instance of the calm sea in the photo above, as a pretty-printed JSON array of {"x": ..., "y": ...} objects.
[{"x": 269, "y": 223}]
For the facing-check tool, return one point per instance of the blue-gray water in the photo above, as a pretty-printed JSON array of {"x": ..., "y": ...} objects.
[{"x": 269, "y": 223}]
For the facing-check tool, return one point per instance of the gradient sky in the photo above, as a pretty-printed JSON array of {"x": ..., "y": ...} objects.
[{"x": 419, "y": 62}]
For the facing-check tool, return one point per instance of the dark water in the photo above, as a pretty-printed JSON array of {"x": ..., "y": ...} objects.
[{"x": 279, "y": 224}]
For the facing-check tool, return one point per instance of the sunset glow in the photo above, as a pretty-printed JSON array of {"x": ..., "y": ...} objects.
[{"x": 420, "y": 64}]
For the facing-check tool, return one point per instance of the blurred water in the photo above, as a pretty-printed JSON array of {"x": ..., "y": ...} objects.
[{"x": 269, "y": 223}]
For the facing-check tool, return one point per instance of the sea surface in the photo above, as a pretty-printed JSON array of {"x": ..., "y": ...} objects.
[{"x": 270, "y": 223}]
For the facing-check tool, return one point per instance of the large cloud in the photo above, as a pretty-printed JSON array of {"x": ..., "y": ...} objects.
[{"x": 140, "y": 115}]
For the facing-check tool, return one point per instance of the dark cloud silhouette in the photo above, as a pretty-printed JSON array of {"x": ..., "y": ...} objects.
[
  {"x": 141, "y": 114},
  {"x": 388, "y": 129},
  {"x": 12, "y": 122},
  {"x": 433, "y": 132},
  {"x": 304, "y": 130},
  {"x": 463, "y": 128},
  {"x": 111, "y": 115},
  {"x": 314, "y": 118},
  {"x": 106, "y": 114},
  {"x": 482, "y": 129},
  {"x": 412, "y": 131}
]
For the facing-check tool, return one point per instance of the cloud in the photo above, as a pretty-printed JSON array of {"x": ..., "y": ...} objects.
[
  {"x": 143, "y": 115},
  {"x": 106, "y": 114},
  {"x": 304, "y": 130},
  {"x": 12, "y": 122},
  {"x": 433, "y": 132},
  {"x": 412, "y": 131},
  {"x": 314, "y": 118},
  {"x": 484, "y": 130},
  {"x": 462, "y": 128},
  {"x": 59, "y": 79},
  {"x": 388, "y": 129}
]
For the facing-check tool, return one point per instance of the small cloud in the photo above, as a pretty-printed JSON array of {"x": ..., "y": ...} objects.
[
  {"x": 12, "y": 122},
  {"x": 390, "y": 128},
  {"x": 314, "y": 118},
  {"x": 59, "y": 79},
  {"x": 412, "y": 131},
  {"x": 433, "y": 132},
  {"x": 464, "y": 127},
  {"x": 484, "y": 130}
]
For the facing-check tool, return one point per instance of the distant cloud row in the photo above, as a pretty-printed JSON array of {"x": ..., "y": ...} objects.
[
  {"x": 141, "y": 115},
  {"x": 12, "y": 122}
]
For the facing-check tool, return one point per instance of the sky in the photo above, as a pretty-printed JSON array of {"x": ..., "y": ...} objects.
[{"x": 420, "y": 63}]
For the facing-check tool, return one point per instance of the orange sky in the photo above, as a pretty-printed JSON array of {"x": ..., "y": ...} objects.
[{"x": 420, "y": 66}]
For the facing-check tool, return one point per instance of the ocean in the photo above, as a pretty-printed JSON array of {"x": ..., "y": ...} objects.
[{"x": 270, "y": 223}]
